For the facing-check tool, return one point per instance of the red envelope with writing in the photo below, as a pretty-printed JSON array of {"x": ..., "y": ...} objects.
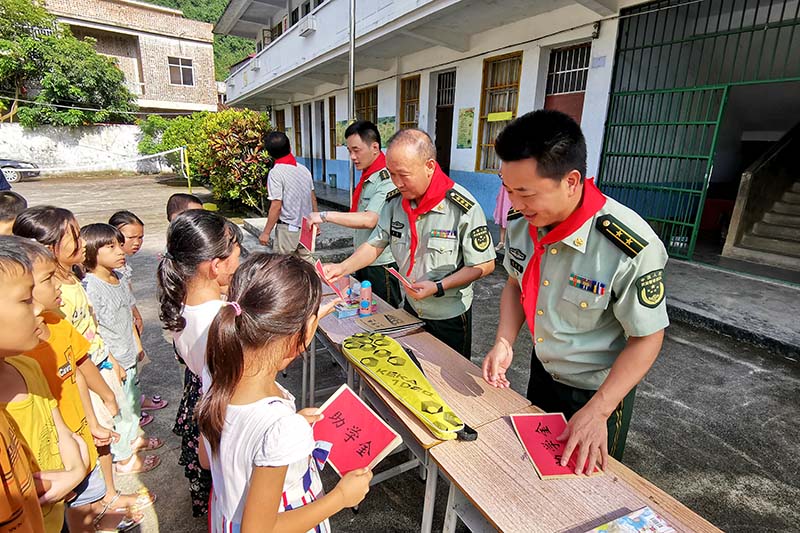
[
  {"x": 308, "y": 235},
  {"x": 359, "y": 437},
  {"x": 538, "y": 433}
]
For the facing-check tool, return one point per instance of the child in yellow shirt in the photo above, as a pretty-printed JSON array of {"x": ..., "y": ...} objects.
[
  {"x": 58, "y": 457},
  {"x": 62, "y": 355}
]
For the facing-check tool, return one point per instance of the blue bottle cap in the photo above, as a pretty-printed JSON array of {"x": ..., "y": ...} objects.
[
  {"x": 365, "y": 284},
  {"x": 364, "y": 304}
]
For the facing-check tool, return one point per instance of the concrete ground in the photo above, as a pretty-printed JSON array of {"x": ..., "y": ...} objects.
[{"x": 715, "y": 423}]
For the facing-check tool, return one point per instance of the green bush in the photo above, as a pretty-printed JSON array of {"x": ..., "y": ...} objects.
[{"x": 225, "y": 151}]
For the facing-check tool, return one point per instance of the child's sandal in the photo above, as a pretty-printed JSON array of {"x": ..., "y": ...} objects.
[
  {"x": 148, "y": 463},
  {"x": 145, "y": 445},
  {"x": 145, "y": 419},
  {"x": 125, "y": 524},
  {"x": 144, "y": 499},
  {"x": 156, "y": 403}
]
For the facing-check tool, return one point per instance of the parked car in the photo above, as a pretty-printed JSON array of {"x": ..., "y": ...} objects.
[{"x": 14, "y": 170}]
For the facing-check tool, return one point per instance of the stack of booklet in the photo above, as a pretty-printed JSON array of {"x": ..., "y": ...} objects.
[{"x": 392, "y": 322}]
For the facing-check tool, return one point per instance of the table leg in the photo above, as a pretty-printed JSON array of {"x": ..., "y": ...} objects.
[
  {"x": 450, "y": 515},
  {"x": 312, "y": 373},
  {"x": 304, "y": 392},
  {"x": 431, "y": 473}
]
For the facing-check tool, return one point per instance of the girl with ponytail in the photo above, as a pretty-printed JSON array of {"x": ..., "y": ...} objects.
[
  {"x": 201, "y": 256},
  {"x": 262, "y": 450}
]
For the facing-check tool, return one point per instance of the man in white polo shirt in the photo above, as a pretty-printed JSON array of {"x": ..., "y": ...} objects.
[{"x": 291, "y": 194}]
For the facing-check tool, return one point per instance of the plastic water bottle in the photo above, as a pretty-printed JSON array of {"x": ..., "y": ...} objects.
[{"x": 365, "y": 309}]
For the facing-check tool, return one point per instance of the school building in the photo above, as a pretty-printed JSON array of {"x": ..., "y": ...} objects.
[
  {"x": 690, "y": 107},
  {"x": 167, "y": 59}
]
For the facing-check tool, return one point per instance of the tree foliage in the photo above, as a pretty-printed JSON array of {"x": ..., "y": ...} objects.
[
  {"x": 42, "y": 61},
  {"x": 225, "y": 150},
  {"x": 228, "y": 49}
]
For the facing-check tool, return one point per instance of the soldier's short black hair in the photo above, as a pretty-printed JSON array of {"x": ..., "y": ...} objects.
[
  {"x": 277, "y": 144},
  {"x": 366, "y": 131},
  {"x": 550, "y": 137},
  {"x": 11, "y": 205}
]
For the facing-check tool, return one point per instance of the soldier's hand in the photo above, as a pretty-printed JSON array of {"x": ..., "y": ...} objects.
[
  {"x": 333, "y": 271},
  {"x": 264, "y": 239},
  {"x": 496, "y": 364},
  {"x": 421, "y": 289},
  {"x": 315, "y": 219},
  {"x": 586, "y": 433}
]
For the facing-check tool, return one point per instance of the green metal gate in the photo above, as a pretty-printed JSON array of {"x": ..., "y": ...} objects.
[{"x": 675, "y": 63}]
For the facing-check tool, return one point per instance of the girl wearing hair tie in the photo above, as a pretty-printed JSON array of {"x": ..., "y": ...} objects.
[{"x": 193, "y": 274}]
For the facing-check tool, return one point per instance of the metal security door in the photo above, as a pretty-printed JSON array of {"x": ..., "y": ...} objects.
[{"x": 675, "y": 63}]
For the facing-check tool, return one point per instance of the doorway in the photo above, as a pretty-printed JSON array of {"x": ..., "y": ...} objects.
[{"x": 443, "y": 132}]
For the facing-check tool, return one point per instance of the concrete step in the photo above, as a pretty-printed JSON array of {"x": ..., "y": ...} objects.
[
  {"x": 777, "y": 246},
  {"x": 780, "y": 219},
  {"x": 786, "y": 209},
  {"x": 789, "y": 233},
  {"x": 795, "y": 187},
  {"x": 791, "y": 197}
]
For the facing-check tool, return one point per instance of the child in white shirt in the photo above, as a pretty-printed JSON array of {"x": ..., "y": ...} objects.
[{"x": 263, "y": 463}]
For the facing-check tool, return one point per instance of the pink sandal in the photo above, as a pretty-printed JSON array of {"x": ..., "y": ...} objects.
[
  {"x": 148, "y": 464},
  {"x": 156, "y": 403},
  {"x": 147, "y": 444},
  {"x": 145, "y": 419}
]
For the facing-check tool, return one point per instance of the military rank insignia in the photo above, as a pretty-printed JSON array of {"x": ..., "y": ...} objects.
[
  {"x": 481, "y": 239},
  {"x": 650, "y": 288},
  {"x": 384, "y": 174},
  {"x": 587, "y": 284}
]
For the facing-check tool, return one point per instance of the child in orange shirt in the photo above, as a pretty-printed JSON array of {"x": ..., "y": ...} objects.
[
  {"x": 62, "y": 355},
  {"x": 59, "y": 458}
]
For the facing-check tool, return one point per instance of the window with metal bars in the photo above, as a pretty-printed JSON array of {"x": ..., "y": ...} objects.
[
  {"x": 367, "y": 104},
  {"x": 280, "y": 120},
  {"x": 568, "y": 69},
  {"x": 446, "y": 89},
  {"x": 499, "y": 97},
  {"x": 409, "y": 102},
  {"x": 298, "y": 135},
  {"x": 332, "y": 125}
]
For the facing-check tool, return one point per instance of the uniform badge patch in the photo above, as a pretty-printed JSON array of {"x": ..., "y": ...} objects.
[
  {"x": 481, "y": 238},
  {"x": 516, "y": 266},
  {"x": 517, "y": 254},
  {"x": 650, "y": 288},
  {"x": 384, "y": 174},
  {"x": 396, "y": 224}
]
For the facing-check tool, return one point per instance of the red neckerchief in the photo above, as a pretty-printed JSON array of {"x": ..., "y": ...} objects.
[
  {"x": 439, "y": 186},
  {"x": 591, "y": 203},
  {"x": 379, "y": 163},
  {"x": 287, "y": 160}
]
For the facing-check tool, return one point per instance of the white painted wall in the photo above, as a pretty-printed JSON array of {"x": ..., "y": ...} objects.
[
  {"x": 61, "y": 147},
  {"x": 516, "y": 36}
]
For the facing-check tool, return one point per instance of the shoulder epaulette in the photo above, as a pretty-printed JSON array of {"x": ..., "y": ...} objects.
[
  {"x": 384, "y": 174},
  {"x": 621, "y": 235},
  {"x": 460, "y": 200},
  {"x": 392, "y": 194},
  {"x": 513, "y": 214}
]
